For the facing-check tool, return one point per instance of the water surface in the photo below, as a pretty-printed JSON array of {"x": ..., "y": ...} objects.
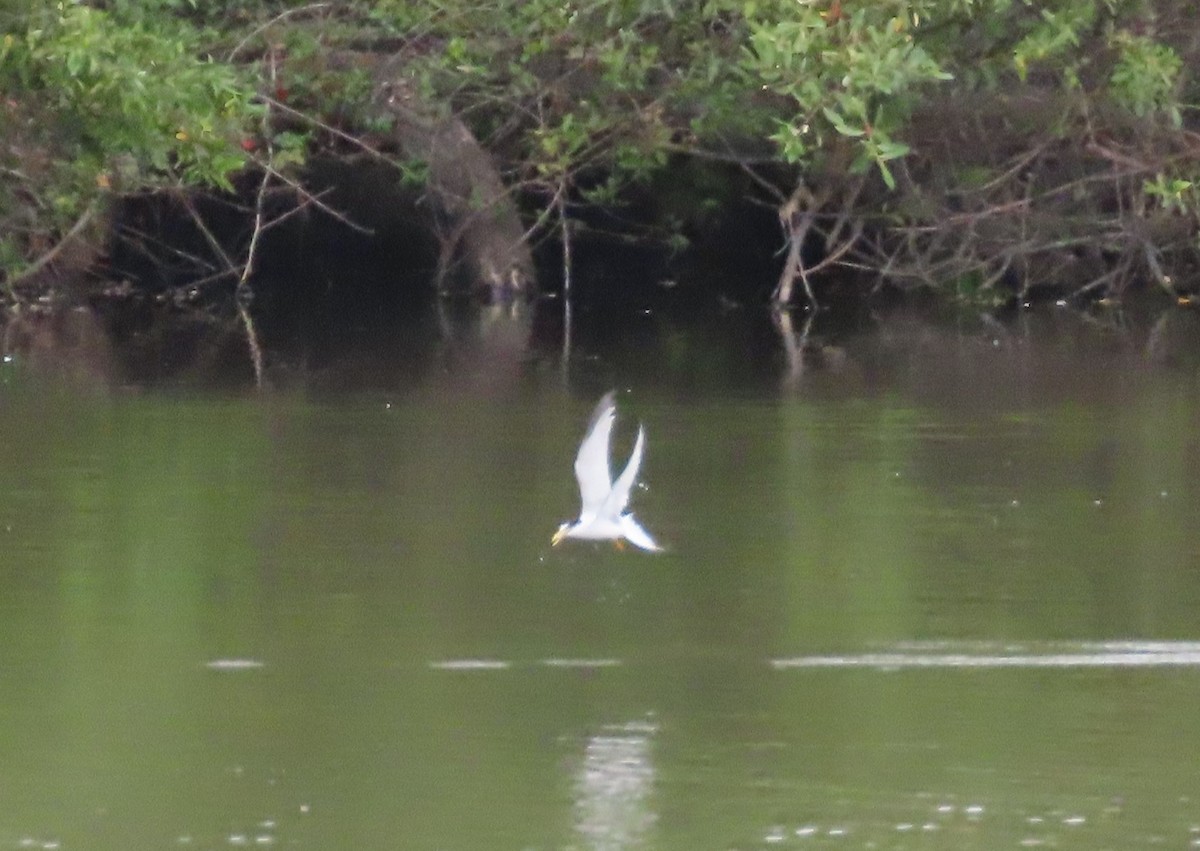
[{"x": 932, "y": 591}]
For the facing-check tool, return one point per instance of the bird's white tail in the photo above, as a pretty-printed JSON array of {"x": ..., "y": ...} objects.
[{"x": 636, "y": 535}]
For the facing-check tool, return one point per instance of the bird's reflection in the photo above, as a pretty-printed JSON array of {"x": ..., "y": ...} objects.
[{"x": 613, "y": 788}]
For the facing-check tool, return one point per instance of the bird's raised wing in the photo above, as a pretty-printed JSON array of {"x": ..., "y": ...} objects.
[
  {"x": 591, "y": 464},
  {"x": 618, "y": 498}
]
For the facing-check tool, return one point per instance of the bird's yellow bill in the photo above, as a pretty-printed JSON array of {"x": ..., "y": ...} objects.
[{"x": 558, "y": 536}]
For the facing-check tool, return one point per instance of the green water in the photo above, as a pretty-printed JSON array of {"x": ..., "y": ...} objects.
[{"x": 932, "y": 600}]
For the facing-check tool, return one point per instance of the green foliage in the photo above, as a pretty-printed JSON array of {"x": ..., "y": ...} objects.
[
  {"x": 1173, "y": 193},
  {"x": 585, "y": 86},
  {"x": 1145, "y": 78},
  {"x": 131, "y": 94},
  {"x": 852, "y": 75},
  {"x": 290, "y": 149},
  {"x": 131, "y": 91},
  {"x": 97, "y": 103},
  {"x": 1057, "y": 34}
]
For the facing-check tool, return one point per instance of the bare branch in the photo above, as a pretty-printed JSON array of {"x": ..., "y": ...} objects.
[
  {"x": 290, "y": 13},
  {"x": 51, "y": 255}
]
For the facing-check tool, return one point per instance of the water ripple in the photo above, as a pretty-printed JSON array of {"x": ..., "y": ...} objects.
[
  {"x": 233, "y": 665},
  {"x": 1102, "y": 654},
  {"x": 504, "y": 664},
  {"x": 470, "y": 665}
]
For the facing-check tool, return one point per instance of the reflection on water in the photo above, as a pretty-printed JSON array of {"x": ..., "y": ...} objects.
[
  {"x": 336, "y": 622},
  {"x": 1101, "y": 654},
  {"x": 504, "y": 664},
  {"x": 471, "y": 665},
  {"x": 614, "y": 786},
  {"x": 947, "y": 823},
  {"x": 233, "y": 665}
]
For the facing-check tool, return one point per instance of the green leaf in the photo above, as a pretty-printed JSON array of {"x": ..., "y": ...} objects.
[
  {"x": 840, "y": 125},
  {"x": 886, "y": 173}
]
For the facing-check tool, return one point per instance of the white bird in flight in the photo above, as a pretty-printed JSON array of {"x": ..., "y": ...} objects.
[{"x": 602, "y": 515}]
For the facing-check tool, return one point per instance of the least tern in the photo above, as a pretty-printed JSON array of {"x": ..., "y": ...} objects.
[{"x": 602, "y": 515}]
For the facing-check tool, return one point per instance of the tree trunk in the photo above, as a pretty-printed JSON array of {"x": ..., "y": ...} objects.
[{"x": 484, "y": 230}]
